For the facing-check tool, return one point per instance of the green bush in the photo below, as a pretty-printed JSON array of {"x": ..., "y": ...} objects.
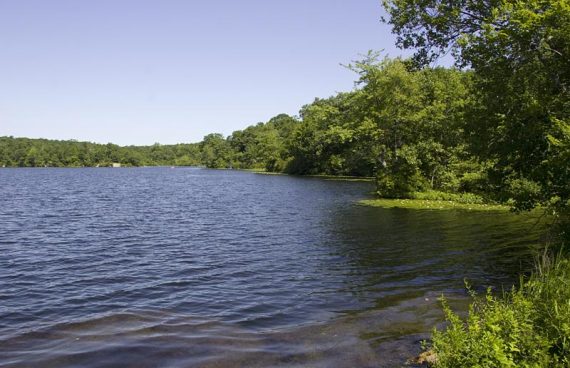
[
  {"x": 527, "y": 327},
  {"x": 402, "y": 177},
  {"x": 474, "y": 182}
]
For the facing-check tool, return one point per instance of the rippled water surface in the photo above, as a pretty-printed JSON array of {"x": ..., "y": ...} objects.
[{"x": 187, "y": 267}]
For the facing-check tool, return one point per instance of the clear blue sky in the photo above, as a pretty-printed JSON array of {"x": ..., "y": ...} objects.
[{"x": 169, "y": 71}]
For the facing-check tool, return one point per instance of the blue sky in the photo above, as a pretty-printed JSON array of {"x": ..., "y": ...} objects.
[{"x": 170, "y": 71}]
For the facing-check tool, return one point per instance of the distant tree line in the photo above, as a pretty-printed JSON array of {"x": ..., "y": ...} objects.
[{"x": 26, "y": 152}]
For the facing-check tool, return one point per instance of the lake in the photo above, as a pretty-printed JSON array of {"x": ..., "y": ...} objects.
[{"x": 188, "y": 267}]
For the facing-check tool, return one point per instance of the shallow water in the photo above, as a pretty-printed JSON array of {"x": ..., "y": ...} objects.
[{"x": 190, "y": 267}]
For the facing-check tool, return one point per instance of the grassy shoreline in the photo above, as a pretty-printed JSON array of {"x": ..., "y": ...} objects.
[{"x": 430, "y": 204}]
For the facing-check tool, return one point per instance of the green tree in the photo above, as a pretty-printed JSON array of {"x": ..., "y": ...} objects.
[
  {"x": 413, "y": 120},
  {"x": 520, "y": 53},
  {"x": 216, "y": 152}
]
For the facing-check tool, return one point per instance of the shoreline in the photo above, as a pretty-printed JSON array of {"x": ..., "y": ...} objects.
[{"x": 430, "y": 204}]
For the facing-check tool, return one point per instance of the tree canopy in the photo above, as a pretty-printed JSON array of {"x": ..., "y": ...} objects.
[{"x": 519, "y": 52}]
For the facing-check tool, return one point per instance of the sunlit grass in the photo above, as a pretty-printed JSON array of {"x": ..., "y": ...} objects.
[{"x": 424, "y": 204}]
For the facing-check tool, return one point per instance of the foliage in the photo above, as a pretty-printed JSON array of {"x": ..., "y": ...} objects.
[
  {"x": 517, "y": 129},
  {"x": 256, "y": 147},
  {"x": 519, "y": 52},
  {"x": 402, "y": 125},
  {"x": 528, "y": 327},
  {"x": 215, "y": 151},
  {"x": 24, "y": 152},
  {"x": 419, "y": 118}
]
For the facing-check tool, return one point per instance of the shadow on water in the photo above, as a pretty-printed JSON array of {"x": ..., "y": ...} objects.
[
  {"x": 398, "y": 262},
  {"x": 200, "y": 268},
  {"x": 400, "y": 249}
]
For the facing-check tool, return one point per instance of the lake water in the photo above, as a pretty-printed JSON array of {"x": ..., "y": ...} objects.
[{"x": 188, "y": 267}]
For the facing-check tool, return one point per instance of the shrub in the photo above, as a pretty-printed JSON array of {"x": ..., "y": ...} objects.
[{"x": 528, "y": 326}]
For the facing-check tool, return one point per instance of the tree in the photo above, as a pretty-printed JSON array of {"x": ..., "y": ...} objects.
[
  {"x": 319, "y": 142},
  {"x": 520, "y": 53},
  {"x": 216, "y": 151},
  {"x": 413, "y": 123}
]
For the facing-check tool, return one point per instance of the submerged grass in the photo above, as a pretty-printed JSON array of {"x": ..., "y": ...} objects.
[
  {"x": 428, "y": 204},
  {"x": 435, "y": 200}
]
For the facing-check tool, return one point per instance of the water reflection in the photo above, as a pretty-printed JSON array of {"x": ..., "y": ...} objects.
[
  {"x": 399, "y": 250},
  {"x": 398, "y": 262}
]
